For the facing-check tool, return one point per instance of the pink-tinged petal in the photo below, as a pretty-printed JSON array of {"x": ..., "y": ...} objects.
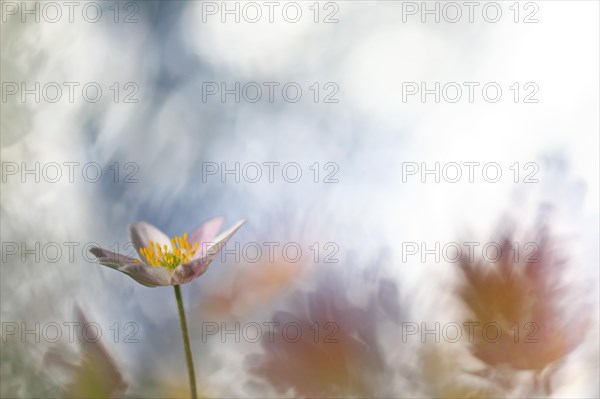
[
  {"x": 111, "y": 259},
  {"x": 140, "y": 272},
  {"x": 149, "y": 276},
  {"x": 205, "y": 233},
  {"x": 141, "y": 233},
  {"x": 189, "y": 271},
  {"x": 206, "y": 247}
]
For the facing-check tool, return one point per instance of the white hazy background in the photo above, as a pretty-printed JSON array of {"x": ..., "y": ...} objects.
[{"x": 368, "y": 133}]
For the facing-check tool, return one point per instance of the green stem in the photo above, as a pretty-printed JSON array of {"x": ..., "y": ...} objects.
[{"x": 186, "y": 343}]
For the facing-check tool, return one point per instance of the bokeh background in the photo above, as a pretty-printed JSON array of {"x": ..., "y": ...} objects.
[{"x": 372, "y": 292}]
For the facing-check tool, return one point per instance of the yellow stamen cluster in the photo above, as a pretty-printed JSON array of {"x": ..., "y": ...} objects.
[{"x": 182, "y": 252}]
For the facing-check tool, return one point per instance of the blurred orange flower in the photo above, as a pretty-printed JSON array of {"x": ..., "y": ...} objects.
[
  {"x": 253, "y": 286},
  {"x": 515, "y": 306}
]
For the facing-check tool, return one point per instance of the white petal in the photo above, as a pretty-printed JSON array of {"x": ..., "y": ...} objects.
[
  {"x": 142, "y": 233},
  {"x": 143, "y": 274}
]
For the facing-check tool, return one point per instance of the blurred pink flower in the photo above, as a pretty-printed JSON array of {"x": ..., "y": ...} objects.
[
  {"x": 523, "y": 298},
  {"x": 336, "y": 352},
  {"x": 168, "y": 262}
]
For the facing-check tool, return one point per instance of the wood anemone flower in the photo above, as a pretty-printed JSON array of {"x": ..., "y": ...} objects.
[{"x": 168, "y": 262}]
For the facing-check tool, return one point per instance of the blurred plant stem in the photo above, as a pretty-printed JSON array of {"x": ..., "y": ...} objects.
[{"x": 186, "y": 342}]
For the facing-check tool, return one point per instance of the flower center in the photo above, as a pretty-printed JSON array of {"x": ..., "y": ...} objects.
[{"x": 182, "y": 252}]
